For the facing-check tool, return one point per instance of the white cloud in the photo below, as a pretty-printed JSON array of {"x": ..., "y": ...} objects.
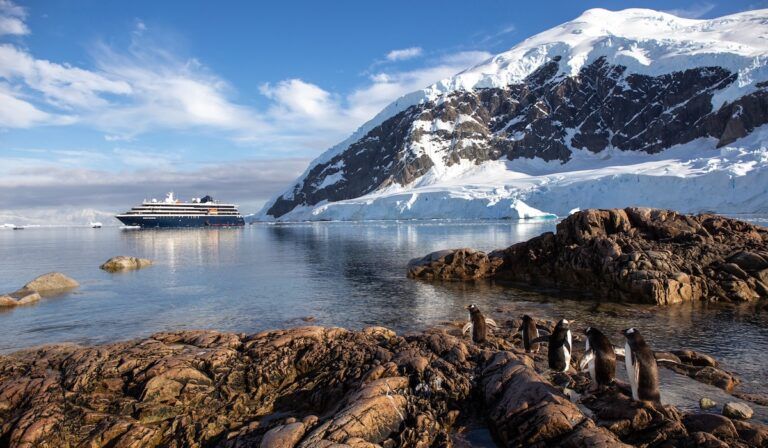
[
  {"x": 302, "y": 109},
  {"x": 17, "y": 113},
  {"x": 403, "y": 54},
  {"x": 295, "y": 99},
  {"x": 694, "y": 11},
  {"x": 146, "y": 87},
  {"x": 12, "y": 19},
  {"x": 62, "y": 86}
]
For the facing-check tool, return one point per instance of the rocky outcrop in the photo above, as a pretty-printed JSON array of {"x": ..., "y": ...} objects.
[
  {"x": 459, "y": 264},
  {"x": 630, "y": 255},
  {"x": 123, "y": 263},
  {"x": 322, "y": 387}
]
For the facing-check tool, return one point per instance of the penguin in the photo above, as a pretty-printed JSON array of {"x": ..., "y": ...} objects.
[
  {"x": 529, "y": 332},
  {"x": 641, "y": 365},
  {"x": 599, "y": 357},
  {"x": 560, "y": 347},
  {"x": 478, "y": 324}
]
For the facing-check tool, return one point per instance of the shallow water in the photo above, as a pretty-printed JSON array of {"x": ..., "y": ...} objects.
[{"x": 346, "y": 274}]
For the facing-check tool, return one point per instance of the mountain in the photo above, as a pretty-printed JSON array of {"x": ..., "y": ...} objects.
[{"x": 612, "y": 109}]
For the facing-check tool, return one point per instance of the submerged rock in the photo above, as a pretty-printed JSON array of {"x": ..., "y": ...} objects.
[
  {"x": 19, "y": 298},
  {"x": 707, "y": 403},
  {"x": 123, "y": 263},
  {"x": 631, "y": 255}
]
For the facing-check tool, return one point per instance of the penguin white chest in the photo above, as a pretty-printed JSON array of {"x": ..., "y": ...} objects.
[
  {"x": 567, "y": 351},
  {"x": 591, "y": 364},
  {"x": 632, "y": 370}
]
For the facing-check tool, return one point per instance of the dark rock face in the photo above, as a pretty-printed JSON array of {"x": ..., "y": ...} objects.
[
  {"x": 542, "y": 117},
  {"x": 459, "y": 264},
  {"x": 320, "y": 387},
  {"x": 635, "y": 255}
]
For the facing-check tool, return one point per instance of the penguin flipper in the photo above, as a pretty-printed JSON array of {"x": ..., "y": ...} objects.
[
  {"x": 588, "y": 356},
  {"x": 491, "y": 322},
  {"x": 619, "y": 351},
  {"x": 543, "y": 328},
  {"x": 540, "y": 339},
  {"x": 466, "y": 328}
]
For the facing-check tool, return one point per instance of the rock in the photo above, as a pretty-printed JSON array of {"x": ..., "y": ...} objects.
[
  {"x": 19, "y": 298},
  {"x": 628, "y": 255},
  {"x": 706, "y": 403},
  {"x": 716, "y": 377},
  {"x": 123, "y": 263},
  {"x": 714, "y": 424},
  {"x": 754, "y": 434},
  {"x": 286, "y": 436},
  {"x": 49, "y": 283},
  {"x": 737, "y": 410},
  {"x": 322, "y": 387},
  {"x": 459, "y": 264}
]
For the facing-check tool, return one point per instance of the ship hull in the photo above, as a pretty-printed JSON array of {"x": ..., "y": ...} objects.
[{"x": 181, "y": 221}]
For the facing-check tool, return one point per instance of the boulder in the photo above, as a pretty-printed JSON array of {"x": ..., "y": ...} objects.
[
  {"x": 19, "y": 298},
  {"x": 49, "y": 283},
  {"x": 123, "y": 263},
  {"x": 628, "y": 255},
  {"x": 737, "y": 410},
  {"x": 707, "y": 403},
  {"x": 458, "y": 264}
]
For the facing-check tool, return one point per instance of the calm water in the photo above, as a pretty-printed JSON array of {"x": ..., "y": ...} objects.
[{"x": 347, "y": 274}]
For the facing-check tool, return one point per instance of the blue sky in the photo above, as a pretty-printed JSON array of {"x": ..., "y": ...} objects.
[{"x": 103, "y": 102}]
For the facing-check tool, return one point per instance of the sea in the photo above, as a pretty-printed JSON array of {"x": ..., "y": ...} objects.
[{"x": 349, "y": 274}]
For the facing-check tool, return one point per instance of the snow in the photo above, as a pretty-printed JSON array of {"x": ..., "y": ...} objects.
[
  {"x": 687, "y": 178},
  {"x": 691, "y": 178}
]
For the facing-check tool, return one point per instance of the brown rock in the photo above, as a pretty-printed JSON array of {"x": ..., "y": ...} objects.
[
  {"x": 19, "y": 298},
  {"x": 50, "y": 283},
  {"x": 123, "y": 263},
  {"x": 714, "y": 424},
  {"x": 628, "y": 255},
  {"x": 738, "y": 411},
  {"x": 459, "y": 264},
  {"x": 286, "y": 436}
]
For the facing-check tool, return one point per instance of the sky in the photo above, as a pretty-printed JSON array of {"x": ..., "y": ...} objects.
[{"x": 105, "y": 103}]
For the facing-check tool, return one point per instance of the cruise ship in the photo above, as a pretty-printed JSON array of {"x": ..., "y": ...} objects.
[{"x": 171, "y": 212}]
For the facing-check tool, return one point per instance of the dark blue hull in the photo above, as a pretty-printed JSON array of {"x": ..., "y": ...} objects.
[{"x": 182, "y": 221}]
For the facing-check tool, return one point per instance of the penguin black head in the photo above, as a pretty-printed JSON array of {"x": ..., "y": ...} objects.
[
  {"x": 563, "y": 324},
  {"x": 632, "y": 335},
  {"x": 473, "y": 309},
  {"x": 527, "y": 318},
  {"x": 588, "y": 330}
]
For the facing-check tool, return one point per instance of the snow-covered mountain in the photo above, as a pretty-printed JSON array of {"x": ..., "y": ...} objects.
[{"x": 612, "y": 109}]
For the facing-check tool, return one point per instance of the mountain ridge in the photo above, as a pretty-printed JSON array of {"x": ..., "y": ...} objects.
[{"x": 708, "y": 80}]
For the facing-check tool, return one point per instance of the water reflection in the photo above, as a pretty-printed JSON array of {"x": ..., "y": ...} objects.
[{"x": 347, "y": 274}]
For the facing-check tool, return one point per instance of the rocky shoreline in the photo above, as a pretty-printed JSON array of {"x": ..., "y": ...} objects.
[
  {"x": 323, "y": 387},
  {"x": 636, "y": 255}
]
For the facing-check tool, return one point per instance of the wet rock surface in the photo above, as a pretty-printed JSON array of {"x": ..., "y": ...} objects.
[
  {"x": 629, "y": 255},
  {"x": 323, "y": 387},
  {"x": 123, "y": 263},
  {"x": 51, "y": 283}
]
